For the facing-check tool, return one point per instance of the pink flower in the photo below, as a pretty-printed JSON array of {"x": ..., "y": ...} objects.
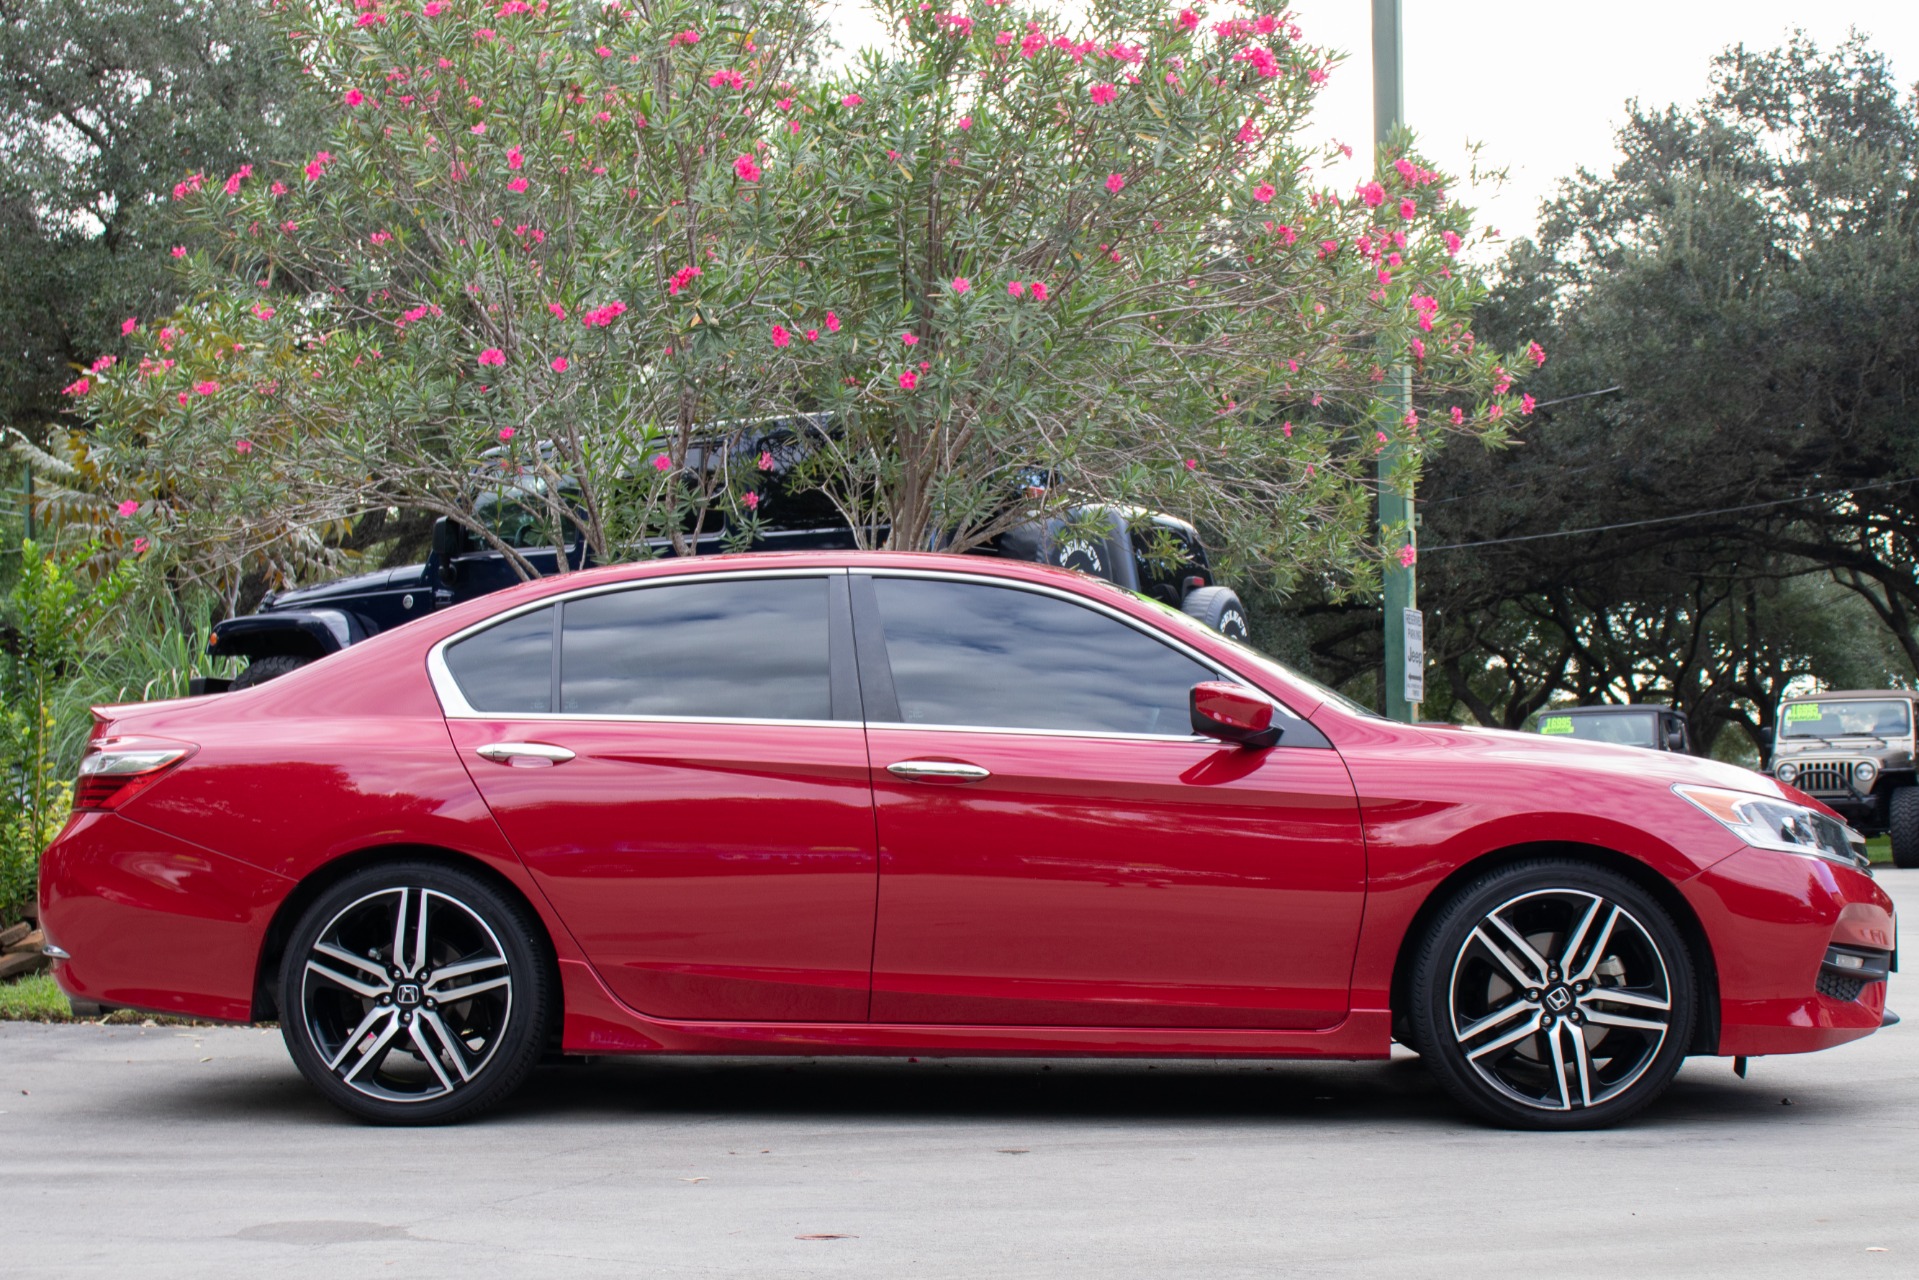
[
  {"x": 131, "y": 507},
  {"x": 516, "y": 184},
  {"x": 129, "y": 325},
  {"x": 1419, "y": 349},
  {"x": 1372, "y": 193},
  {"x": 234, "y": 179},
  {"x": 1102, "y": 94},
  {"x": 559, "y": 364},
  {"x": 1264, "y": 193},
  {"x": 179, "y": 251},
  {"x": 1039, "y": 291},
  {"x": 493, "y": 356},
  {"x": 1408, "y": 210},
  {"x": 104, "y": 363},
  {"x": 910, "y": 339},
  {"x": 746, "y": 169},
  {"x": 1451, "y": 239},
  {"x": 1537, "y": 352},
  {"x": 206, "y": 388},
  {"x": 909, "y": 380},
  {"x": 243, "y": 446},
  {"x": 1114, "y": 182},
  {"x": 380, "y": 237},
  {"x": 766, "y": 461},
  {"x": 556, "y": 309},
  {"x": 812, "y": 335},
  {"x": 1188, "y": 19},
  {"x": 1407, "y": 555},
  {"x": 851, "y": 100},
  {"x": 78, "y": 387},
  {"x": 781, "y": 338},
  {"x": 140, "y": 546},
  {"x": 354, "y": 97},
  {"x": 681, "y": 278},
  {"x": 832, "y": 322},
  {"x": 751, "y": 501},
  {"x": 965, "y": 122},
  {"x": 1457, "y": 416},
  {"x": 1526, "y": 404},
  {"x": 1192, "y": 464},
  {"x": 662, "y": 463},
  {"x": 605, "y": 52},
  {"x": 514, "y": 159},
  {"x": 506, "y": 433},
  {"x": 433, "y": 8},
  {"x": 278, "y": 188},
  {"x": 727, "y": 77},
  {"x": 1016, "y": 289},
  {"x": 1496, "y": 412},
  {"x": 961, "y": 284},
  {"x": 478, "y": 130}
]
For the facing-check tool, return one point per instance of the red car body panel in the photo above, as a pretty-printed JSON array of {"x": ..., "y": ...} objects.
[{"x": 1159, "y": 898}]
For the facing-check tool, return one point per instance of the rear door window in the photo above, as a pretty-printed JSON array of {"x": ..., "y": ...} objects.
[{"x": 507, "y": 669}]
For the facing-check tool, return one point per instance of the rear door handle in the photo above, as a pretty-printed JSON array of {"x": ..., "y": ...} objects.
[
  {"x": 938, "y": 770},
  {"x": 531, "y": 752}
]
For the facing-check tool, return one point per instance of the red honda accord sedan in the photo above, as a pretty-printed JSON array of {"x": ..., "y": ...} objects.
[{"x": 909, "y": 803}]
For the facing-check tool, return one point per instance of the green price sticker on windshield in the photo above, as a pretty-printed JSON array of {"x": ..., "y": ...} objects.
[
  {"x": 1555, "y": 724},
  {"x": 1803, "y": 711}
]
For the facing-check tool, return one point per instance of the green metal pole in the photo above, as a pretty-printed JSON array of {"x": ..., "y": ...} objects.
[{"x": 1404, "y": 684}]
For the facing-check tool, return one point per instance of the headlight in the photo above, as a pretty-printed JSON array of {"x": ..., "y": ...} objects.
[
  {"x": 1765, "y": 823},
  {"x": 1863, "y": 773},
  {"x": 1788, "y": 772}
]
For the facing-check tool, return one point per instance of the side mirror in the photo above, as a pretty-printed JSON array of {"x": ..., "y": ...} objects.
[
  {"x": 1233, "y": 713},
  {"x": 449, "y": 540}
]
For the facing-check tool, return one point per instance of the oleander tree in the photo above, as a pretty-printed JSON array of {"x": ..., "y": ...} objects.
[{"x": 1013, "y": 263}]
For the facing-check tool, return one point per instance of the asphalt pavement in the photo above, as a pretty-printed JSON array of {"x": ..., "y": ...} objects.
[{"x": 170, "y": 1151}]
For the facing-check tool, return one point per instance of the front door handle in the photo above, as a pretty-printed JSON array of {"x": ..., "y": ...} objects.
[
  {"x": 938, "y": 770},
  {"x": 529, "y": 752}
]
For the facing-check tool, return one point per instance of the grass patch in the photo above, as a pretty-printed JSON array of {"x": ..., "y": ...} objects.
[
  {"x": 1879, "y": 849},
  {"x": 38, "y": 998}
]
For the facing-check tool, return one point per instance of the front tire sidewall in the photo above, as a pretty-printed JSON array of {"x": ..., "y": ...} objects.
[
  {"x": 1902, "y": 826},
  {"x": 1431, "y": 993},
  {"x": 528, "y": 1027}
]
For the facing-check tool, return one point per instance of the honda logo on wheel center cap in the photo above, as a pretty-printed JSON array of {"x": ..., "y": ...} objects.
[
  {"x": 1558, "y": 998},
  {"x": 408, "y": 994}
]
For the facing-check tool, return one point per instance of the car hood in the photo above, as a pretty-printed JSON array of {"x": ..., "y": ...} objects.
[
  {"x": 1572, "y": 754},
  {"x": 324, "y": 593}
]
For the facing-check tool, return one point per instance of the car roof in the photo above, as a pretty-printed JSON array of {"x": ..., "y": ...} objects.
[
  {"x": 1846, "y": 695},
  {"x": 1611, "y": 708}
]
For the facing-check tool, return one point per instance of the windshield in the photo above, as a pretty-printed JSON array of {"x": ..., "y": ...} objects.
[
  {"x": 1624, "y": 728},
  {"x": 1259, "y": 659},
  {"x": 1854, "y": 717}
]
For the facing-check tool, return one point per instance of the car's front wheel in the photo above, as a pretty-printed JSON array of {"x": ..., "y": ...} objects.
[
  {"x": 415, "y": 993},
  {"x": 1553, "y": 994}
]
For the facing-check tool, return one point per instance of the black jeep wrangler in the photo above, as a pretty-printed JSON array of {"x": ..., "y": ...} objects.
[{"x": 292, "y": 628}]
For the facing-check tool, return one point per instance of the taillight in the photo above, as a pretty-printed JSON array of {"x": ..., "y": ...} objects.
[{"x": 116, "y": 769}]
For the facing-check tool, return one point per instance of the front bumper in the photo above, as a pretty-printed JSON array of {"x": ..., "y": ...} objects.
[{"x": 1781, "y": 926}]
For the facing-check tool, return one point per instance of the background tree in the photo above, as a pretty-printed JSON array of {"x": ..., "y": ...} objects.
[
  {"x": 560, "y": 245},
  {"x": 1723, "y": 466}
]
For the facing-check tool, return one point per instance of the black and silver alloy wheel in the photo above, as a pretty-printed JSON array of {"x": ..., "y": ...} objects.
[
  {"x": 1554, "y": 995},
  {"x": 414, "y": 993}
]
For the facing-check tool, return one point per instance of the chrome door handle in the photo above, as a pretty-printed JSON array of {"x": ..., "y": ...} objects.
[
  {"x": 943, "y": 770},
  {"x": 508, "y": 752}
]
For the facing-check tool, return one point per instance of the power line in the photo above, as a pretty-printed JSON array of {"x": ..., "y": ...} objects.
[{"x": 1688, "y": 515}]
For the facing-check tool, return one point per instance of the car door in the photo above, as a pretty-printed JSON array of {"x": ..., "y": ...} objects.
[
  {"x": 682, "y": 767},
  {"x": 1058, "y": 848}
]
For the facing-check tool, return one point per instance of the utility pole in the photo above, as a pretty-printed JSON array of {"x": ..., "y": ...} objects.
[{"x": 1405, "y": 633}]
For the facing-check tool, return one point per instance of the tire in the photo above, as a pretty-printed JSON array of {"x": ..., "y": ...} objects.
[
  {"x": 1219, "y": 609},
  {"x": 1609, "y": 993},
  {"x": 1902, "y": 824},
  {"x": 382, "y": 1040},
  {"x": 261, "y": 670}
]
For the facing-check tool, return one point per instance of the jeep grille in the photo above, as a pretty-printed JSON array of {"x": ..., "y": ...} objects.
[{"x": 1828, "y": 776}]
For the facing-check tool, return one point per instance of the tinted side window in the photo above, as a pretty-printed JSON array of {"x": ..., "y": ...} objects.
[
  {"x": 508, "y": 669},
  {"x": 754, "y": 649},
  {"x": 967, "y": 654}
]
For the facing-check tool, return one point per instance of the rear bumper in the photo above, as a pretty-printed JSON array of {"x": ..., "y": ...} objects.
[
  {"x": 154, "y": 922},
  {"x": 1779, "y": 923}
]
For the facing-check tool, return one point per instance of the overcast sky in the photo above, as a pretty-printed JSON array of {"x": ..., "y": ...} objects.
[{"x": 1541, "y": 85}]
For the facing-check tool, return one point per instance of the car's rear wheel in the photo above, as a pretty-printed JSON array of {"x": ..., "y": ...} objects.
[
  {"x": 1902, "y": 826},
  {"x": 1220, "y": 609},
  {"x": 261, "y": 670},
  {"x": 1553, "y": 995},
  {"x": 415, "y": 993}
]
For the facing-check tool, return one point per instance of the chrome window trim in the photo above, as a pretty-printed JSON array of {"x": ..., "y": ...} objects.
[
  {"x": 453, "y": 703},
  {"x": 1098, "y": 606}
]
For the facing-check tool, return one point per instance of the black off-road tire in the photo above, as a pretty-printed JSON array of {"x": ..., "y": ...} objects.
[
  {"x": 366, "y": 993},
  {"x": 1220, "y": 609},
  {"x": 1902, "y": 825},
  {"x": 261, "y": 670},
  {"x": 1600, "y": 1047}
]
